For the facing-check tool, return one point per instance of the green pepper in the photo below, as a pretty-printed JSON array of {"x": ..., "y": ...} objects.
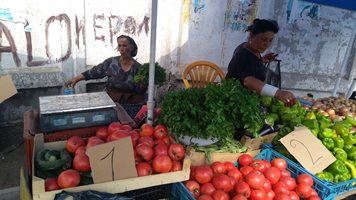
[
  {"x": 339, "y": 154},
  {"x": 338, "y": 178},
  {"x": 310, "y": 116},
  {"x": 310, "y": 123},
  {"x": 350, "y": 120},
  {"x": 339, "y": 142},
  {"x": 341, "y": 129},
  {"x": 337, "y": 167},
  {"x": 328, "y": 143},
  {"x": 271, "y": 118},
  {"x": 352, "y": 154},
  {"x": 350, "y": 139},
  {"x": 324, "y": 175},
  {"x": 352, "y": 168},
  {"x": 266, "y": 101},
  {"x": 326, "y": 133},
  {"x": 348, "y": 147},
  {"x": 324, "y": 122},
  {"x": 315, "y": 132}
]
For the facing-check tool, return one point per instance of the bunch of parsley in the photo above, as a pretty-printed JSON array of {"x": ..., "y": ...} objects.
[{"x": 142, "y": 75}]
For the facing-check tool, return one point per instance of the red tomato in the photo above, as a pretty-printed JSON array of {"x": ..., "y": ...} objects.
[
  {"x": 94, "y": 142},
  {"x": 218, "y": 167},
  {"x": 176, "y": 151},
  {"x": 176, "y": 166},
  {"x": 258, "y": 194},
  {"x": 313, "y": 192},
  {"x": 305, "y": 178},
  {"x": 270, "y": 194},
  {"x": 293, "y": 195},
  {"x": 146, "y": 140},
  {"x": 160, "y": 149},
  {"x": 146, "y": 130},
  {"x": 233, "y": 181},
  {"x": 272, "y": 174},
  {"x": 245, "y": 170},
  {"x": 229, "y": 165},
  {"x": 81, "y": 150},
  {"x": 192, "y": 172},
  {"x": 126, "y": 127},
  {"x": 242, "y": 188},
  {"x": 239, "y": 197},
  {"x": 289, "y": 182},
  {"x": 267, "y": 164},
  {"x": 314, "y": 197},
  {"x": 144, "y": 151},
  {"x": 68, "y": 178},
  {"x": 235, "y": 173},
  {"x": 303, "y": 190},
  {"x": 167, "y": 140},
  {"x": 285, "y": 172},
  {"x": 207, "y": 188},
  {"x": 162, "y": 164},
  {"x": 160, "y": 131},
  {"x": 193, "y": 187},
  {"x": 51, "y": 184},
  {"x": 81, "y": 163},
  {"x": 282, "y": 196},
  {"x": 113, "y": 126},
  {"x": 143, "y": 169},
  {"x": 255, "y": 179},
  {"x": 280, "y": 187},
  {"x": 92, "y": 138},
  {"x": 205, "y": 197},
  {"x": 102, "y": 133},
  {"x": 258, "y": 165},
  {"x": 220, "y": 195},
  {"x": 245, "y": 159},
  {"x": 280, "y": 163},
  {"x": 134, "y": 137},
  {"x": 119, "y": 134},
  {"x": 267, "y": 186},
  {"x": 203, "y": 174},
  {"x": 73, "y": 143}
]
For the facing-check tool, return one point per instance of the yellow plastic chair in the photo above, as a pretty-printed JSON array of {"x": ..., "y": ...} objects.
[{"x": 200, "y": 73}]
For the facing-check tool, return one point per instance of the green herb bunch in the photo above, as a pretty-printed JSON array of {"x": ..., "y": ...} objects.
[
  {"x": 142, "y": 75},
  {"x": 216, "y": 110}
]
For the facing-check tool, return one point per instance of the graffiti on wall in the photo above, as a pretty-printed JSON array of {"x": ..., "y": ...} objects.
[
  {"x": 301, "y": 10},
  {"x": 116, "y": 25},
  {"x": 239, "y": 14},
  {"x": 198, "y": 5}
]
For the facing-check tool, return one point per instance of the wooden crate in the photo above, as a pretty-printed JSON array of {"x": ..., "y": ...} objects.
[{"x": 118, "y": 186}]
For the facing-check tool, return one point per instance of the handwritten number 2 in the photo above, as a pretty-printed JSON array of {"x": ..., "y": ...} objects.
[
  {"x": 294, "y": 145},
  {"x": 111, "y": 161}
]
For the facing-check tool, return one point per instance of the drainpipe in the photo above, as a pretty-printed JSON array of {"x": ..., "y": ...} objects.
[
  {"x": 344, "y": 64},
  {"x": 151, "y": 79}
]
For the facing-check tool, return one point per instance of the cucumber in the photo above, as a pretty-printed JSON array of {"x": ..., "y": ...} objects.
[{"x": 47, "y": 165}]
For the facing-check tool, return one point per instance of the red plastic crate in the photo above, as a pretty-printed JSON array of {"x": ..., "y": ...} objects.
[{"x": 31, "y": 127}]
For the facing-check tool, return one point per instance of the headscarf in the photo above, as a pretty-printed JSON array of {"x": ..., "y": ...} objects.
[{"x": 132, "y": 42}]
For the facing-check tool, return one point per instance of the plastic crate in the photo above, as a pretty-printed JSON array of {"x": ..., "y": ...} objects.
[
  {"x": 180, "y": 192},
  {"x": 31, "y": 127},
  {"x": 326, "y": 190},
  {"x": 150, "y": 193}
]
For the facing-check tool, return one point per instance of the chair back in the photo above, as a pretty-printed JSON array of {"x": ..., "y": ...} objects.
[{"x": 199, "y": 73}]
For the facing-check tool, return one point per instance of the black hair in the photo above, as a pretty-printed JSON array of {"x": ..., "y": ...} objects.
[
  {"x": 263, "y": 25},
  {"x": 131, "y": 42}
]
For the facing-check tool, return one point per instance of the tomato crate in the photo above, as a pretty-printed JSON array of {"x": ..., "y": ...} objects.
[{"x": 325, "y": 189}]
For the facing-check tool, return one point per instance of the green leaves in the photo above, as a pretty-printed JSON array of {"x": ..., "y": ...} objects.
[
  {"x": 143, "y": 74},
  {"x": 217, "y": 110}
]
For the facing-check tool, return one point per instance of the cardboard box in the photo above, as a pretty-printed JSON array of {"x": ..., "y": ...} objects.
[
  {"x": 255, "y": 143},
  {"x": 199, "y": 158},
  {"x": 117, "y": 186},
  {"x": 8, "y": 88}
]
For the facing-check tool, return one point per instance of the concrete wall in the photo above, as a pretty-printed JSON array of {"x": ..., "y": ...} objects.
[{"x": 43, "y": 43}]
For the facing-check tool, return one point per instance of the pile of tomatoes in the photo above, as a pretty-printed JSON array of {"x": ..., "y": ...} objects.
[
  {"x": 253, "y": 179},
  {"x": 153, "y": 150}
]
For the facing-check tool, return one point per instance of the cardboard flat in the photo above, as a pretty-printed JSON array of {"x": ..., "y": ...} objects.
[
  {"x": 308, "y": 150},
  {"x": 112, "y": 161},
  {"x": 199, "y": 158},
  {"x": 255, "y": 143},
  {"x": 8, "y": 88}
]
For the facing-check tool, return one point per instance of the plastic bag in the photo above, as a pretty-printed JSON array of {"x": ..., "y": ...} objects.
[{"x": 90, "y": 195}]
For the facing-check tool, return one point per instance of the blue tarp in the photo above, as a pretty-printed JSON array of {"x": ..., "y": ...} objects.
[{"x": 344, "y": 4}]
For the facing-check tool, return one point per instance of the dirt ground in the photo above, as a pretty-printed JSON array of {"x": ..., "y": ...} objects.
[{"x": 12, "y": 155}]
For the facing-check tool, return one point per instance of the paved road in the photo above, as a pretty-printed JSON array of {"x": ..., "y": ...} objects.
[{"x": 10, "y": 193}]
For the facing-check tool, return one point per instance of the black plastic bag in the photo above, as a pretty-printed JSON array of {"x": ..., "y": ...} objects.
[{"x": 90, "y": 195}]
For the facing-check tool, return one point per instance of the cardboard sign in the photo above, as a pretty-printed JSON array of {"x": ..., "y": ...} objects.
[
  {"x": 112, "y": 161},
  {"x": 308, "y": 150},
  {"x": 8, "y": 88}
]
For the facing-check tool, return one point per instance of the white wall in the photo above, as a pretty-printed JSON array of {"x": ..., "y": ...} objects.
[{"x": 68, "y": 37}]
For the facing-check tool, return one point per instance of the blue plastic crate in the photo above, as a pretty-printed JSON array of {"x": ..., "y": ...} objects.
[
  {"x": 180, "y": 192},
  {"x": 326, "y": 190}
]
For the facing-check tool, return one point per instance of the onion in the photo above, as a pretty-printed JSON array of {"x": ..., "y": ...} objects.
[
  {"x": 317, "y": 104},
  {"x": 331, "y": 112}
]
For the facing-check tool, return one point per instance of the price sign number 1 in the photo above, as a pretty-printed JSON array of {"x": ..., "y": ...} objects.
[
  {"x": 112, "y": 161},
  {"x": 308, "y": 150}
]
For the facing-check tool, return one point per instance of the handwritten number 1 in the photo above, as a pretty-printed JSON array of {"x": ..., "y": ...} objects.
[
  {"x": 292, "y": 143},
  {"x": 112, "y": 162}
]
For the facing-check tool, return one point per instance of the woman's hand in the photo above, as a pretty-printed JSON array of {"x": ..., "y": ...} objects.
[
  {"x": 73, "y": 81},
  {"x": 269, "y": 57},
  {"x": 287, "y": 97}
]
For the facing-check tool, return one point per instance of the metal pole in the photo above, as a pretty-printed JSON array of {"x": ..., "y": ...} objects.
[
  {"x": 344, "y": 63},
  {"x": 351, "y": 89},
  {"x": 151, "y": 80}
]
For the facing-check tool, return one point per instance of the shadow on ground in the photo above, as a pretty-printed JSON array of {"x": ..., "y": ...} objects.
[{"x": 12, "y": 155}]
